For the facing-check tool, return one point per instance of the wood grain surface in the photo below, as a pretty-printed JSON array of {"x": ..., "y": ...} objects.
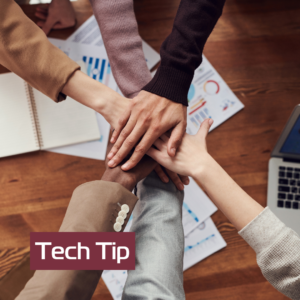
[{"x": 255, "y": 47}]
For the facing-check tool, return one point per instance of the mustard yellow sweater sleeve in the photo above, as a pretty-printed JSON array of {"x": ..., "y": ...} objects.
[{"x": 26, "y": 51}]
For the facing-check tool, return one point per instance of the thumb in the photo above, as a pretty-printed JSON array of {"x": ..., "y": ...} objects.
[
  {"x": 204, "y": 128},
  {"x": 50, "y": 22},
  {"x": 175, "y": 139}
]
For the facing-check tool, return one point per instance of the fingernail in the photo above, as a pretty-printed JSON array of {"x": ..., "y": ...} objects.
[
  {"x": 166, "y": 179},
  {"x": 110, "y": 155},
  {"x": 125, "y": 166},
  {"x": 173, "y": 151},
  {"x": 111, "y": 163},
  {"x": 181, "y": 187},
  {"x": 112, "y": 140},
  {"x": 186, "y": 181},
  {"x": 210, "y": 121}
]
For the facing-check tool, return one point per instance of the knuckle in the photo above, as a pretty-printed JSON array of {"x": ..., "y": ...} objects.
[
  {"x": 146, "y": 117},
  {"x": 134, "y": 102},
  {"x": 118, "y": 156},
  {"x": 121, "y": 122},
  {"x": 156, "y": 128},
  {"x": 140, "y": 149},
  {"x": 129, "y": 142},
  {"x": 124, "y": 133},
  {"x": 115, "y": 148}
]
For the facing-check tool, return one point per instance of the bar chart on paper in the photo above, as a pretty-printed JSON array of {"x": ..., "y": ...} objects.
[{"x": 97, "y": 68}]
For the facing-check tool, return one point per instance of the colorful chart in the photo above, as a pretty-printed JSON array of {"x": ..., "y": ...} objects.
[
  {"x": 95, "y": 67},
  {"x": 191, "y": 213},
  {"x": 226, "y": 104},
  {"x": 189, "y": 247},
  {"x": 211, "y": 87}
]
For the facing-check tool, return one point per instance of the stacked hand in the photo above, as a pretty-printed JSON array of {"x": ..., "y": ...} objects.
[
  {"x": 130, "y": 178},
  {"x": 147, "y": 117},
  {"x": 191, "y": 157}
]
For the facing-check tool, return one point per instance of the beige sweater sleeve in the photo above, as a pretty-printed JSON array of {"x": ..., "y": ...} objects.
[
  {"x": 26, "y": 51},
  {"x": 277, "y": 250},
  {"x": 93, "y": 208}
]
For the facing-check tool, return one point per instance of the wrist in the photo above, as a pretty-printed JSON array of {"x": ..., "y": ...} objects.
[
  {"x": 203, "y": 168},
  {"x": 85, "y": 90},
  {"x": 118, "y": 176}
]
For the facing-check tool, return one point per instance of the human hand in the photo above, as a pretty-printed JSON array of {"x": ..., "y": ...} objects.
[
  {"x": 58, "y": 14},
  {"x": 130, "y": 178},
  {"x": 148, "y": 117},
  {"x": 191, "y": 156},
  {"x": 178, "y": 180}
]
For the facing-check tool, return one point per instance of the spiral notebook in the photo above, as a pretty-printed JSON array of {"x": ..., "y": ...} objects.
[{"x": 30, "y": 121}]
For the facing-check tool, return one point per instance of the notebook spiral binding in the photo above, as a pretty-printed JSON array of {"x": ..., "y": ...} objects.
[{"x": 34, "y": 115}]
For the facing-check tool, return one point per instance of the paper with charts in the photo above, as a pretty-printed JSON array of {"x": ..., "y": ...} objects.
[
  {"x": 202, "y": 242},
  {"x": 209, "y": 97}
]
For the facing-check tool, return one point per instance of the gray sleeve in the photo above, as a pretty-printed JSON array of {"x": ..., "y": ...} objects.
[{"x": 277, "y": 250}]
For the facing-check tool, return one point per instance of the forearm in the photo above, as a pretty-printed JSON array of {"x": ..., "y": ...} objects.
[
  {"x": 26, "y": 51},
  {"x": 97, "y": 96},
  {"x": 277, "y": 246},
  {"x": 123, "y": 43},
  {"x": 181, "y": 52},
  {"x": 235, "y": 203}
]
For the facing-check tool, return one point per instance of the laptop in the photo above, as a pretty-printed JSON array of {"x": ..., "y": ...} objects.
[{"x": 284, "y": 174}]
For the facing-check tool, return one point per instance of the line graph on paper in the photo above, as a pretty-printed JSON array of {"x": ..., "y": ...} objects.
[
  {"x": 189, "y": 218},
  {"x": 203, "y": 241}
]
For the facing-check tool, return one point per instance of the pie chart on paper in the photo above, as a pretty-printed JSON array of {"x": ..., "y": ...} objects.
[{"x": 211, "y": 87}]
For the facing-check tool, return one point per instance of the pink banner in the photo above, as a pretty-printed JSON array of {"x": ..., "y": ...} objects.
[{"x": 82, "y": 250}]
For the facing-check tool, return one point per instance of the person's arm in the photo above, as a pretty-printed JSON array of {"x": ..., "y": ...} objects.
[
  {"x": 277, "y": 247},
  {"x": 119, "y": 30},
  {"x": 192, "y": 159},
  {"x": 90, "y": 210},
  {"x": 277, "y": 250},
  {"x": 181, "y": 54},
  {"x": 26, "y": 51},
  {"x": 97, "y": 96},
  {"x": 123, "y": 44}
]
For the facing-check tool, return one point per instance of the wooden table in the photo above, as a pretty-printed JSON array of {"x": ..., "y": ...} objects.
[{"x": 255, "y": 47}]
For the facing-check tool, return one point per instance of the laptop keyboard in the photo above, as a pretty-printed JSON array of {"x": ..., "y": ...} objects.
[{"x": 288, "y": 188}]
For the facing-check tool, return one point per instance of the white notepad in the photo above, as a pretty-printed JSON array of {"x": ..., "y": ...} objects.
[{"x": 30, "y": 121}]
